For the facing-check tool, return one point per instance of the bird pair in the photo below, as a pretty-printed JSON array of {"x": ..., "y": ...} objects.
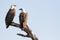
[{"x": 23, "y": 16}]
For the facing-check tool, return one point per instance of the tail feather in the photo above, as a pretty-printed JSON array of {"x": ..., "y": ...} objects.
[{"x": 7, "y": 26}]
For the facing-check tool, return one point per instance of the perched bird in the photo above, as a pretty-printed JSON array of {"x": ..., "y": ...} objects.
[
  {"x": 23, "y": 17},
  {"x": 10, "y": 15}
]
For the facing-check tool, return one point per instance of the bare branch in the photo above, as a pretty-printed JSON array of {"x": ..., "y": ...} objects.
[
  {"x": 27, "y": 30},
  {"x": 22, "y": 35},
  {"x": 15, "y": 24}
]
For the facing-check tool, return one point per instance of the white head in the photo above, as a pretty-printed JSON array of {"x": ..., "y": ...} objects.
[
  {"x": 22, "y": 10},
  {"x": 13, "y": 6}
]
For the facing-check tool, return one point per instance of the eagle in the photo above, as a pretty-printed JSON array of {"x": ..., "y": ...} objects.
[
  {"x": 10, "y": 15},
  {"x": 23, "y": 17}
]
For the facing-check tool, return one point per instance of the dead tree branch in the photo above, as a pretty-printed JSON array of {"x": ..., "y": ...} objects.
[{"x": 27, "y": 30}]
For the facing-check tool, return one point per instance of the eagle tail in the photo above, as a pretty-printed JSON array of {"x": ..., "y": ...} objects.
[{"x": 7, "y": 26}]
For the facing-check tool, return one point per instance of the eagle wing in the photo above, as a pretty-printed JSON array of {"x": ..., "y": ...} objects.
[
  {"x": 9, "y": 18},
  {"x": 23, "y": 19}
]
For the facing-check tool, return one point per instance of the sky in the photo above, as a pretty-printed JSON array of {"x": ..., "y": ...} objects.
[{"x": 43, "y": 19}]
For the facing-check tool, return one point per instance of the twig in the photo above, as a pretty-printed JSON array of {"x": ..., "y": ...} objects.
[{"x": 22, "y": 35}]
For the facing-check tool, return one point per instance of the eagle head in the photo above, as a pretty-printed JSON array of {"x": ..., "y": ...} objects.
[
  {"x": 22, "y": 10},
  {"x": 13, "y": 6}
]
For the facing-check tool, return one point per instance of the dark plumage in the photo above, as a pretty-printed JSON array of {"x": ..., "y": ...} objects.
[
  {"x": 10, "y": 16},
  {"x": 23, "y": 18}
]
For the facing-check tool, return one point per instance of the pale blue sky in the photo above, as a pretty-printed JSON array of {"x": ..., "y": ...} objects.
[{"x": 44, "y": 19}]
